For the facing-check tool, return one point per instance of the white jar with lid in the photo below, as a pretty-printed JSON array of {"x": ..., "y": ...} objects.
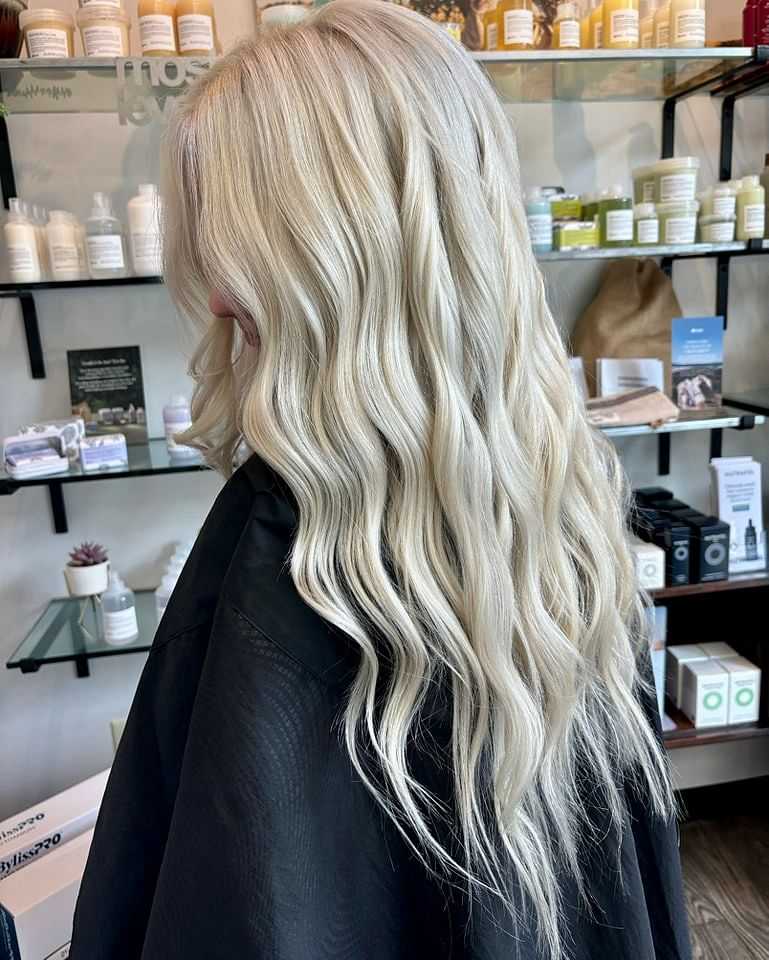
[
  {"x": 49, "y": 33},
  {"x": 104, "y": 30},
  {"x": 678, "y": 221},
  {"x": 675, "y": 179},
  {"x": 717, "y": 229}
]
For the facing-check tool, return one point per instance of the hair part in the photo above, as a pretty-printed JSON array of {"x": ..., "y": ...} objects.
[{"x": 351, "y": 185}]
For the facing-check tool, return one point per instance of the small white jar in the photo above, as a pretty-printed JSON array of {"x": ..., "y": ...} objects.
[
  {"x": 104, "y": 30},
  {"x": 717, "y": 229}
]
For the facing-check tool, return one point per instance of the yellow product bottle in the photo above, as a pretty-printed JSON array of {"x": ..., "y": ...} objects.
[
  {"x": 515, "y": 25},
  {"x": 621, "y": 24},
  {"x": 490, "y": 30},
  {"x": 567, "y": 33},
  {"x": 688, "y": 26},
  {"x": 647, "y": 9},
  {"x": 196, "y": 28},
  {"x": 662, "y": 25},
  {"x": 596, "y": 27},
  {"x": 157, "y": 28}
]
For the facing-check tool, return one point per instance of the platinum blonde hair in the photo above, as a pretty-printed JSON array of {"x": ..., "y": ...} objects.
[{"x": 351, "y": 185}]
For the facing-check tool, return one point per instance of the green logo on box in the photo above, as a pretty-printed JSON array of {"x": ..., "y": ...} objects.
[
  {"x": 744, "y": 697},
  {"x": 712, "y": 701}
]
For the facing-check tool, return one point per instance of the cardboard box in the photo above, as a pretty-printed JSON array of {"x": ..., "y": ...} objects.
[
  {"x": 705, "y": 693},
  {"x": 36, "y": 832},
  {"x": 37, "y": 904},
  {"x": 676, "y": 659},
  {"x": 650, "y": 564},
  {"x": 718, "y": 650},
  {"x": 744, "y": 689}
]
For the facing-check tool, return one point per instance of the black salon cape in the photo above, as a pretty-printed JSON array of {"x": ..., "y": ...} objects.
[{"x": 234, "y": 828}]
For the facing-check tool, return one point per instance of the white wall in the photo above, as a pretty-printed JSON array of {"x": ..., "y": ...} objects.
[{"x": 54, "y": 729}]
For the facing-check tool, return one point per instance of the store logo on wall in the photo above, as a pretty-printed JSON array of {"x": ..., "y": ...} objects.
[{"x": 144, "y": 85}]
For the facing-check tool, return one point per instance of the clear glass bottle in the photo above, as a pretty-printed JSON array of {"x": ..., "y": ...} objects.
[
  {"x": 515, "y": 25},
  {"x": 118, "y": 606},
  {"x": 621, "y": 24},
  {"x": 566, "y": 32},
  {"x": 104, "y": 239}
]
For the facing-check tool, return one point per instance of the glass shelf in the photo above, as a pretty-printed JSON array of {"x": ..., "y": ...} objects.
[
  {"x": 679, "y": 251},
  {"x": 137, "y": 88},
  {"x": 57, "y": 637},
  {"x": 754, "y": 401},
  {"x": 707, "y": 420},
  {"x": 144, "y": 460},
  {"x": 599, "y": 75}
]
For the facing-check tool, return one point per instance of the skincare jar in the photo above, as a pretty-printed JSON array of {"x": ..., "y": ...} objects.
[
  {"x": 49, "y": 33},
  {"x": 675, "y": 179},
  {"x": 678, "y": 221},
  {"x": 104, "y": 30},
  {"x": 717, "y": 229}
]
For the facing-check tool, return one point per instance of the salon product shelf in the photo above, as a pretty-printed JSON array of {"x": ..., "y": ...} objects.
[
  {"x": 754, "y": 401},
  {"x": 59, "y": 637},
  {"x": 8, "y": 289},
  {"x": 127, "y": 85},
  {"x": 722, "y": 418},
  {"x": 687, "y": 735},
  {"x": 743, "y": 581},
  {"x": 680, "y": 251}
]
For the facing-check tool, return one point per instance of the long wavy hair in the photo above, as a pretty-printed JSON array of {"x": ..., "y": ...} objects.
[{"x": 351, "y": 186}]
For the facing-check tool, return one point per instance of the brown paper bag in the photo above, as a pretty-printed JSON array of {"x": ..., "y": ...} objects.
[{"x": 630, "y": 317}]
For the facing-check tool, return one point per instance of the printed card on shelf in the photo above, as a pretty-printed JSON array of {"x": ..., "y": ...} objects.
[
  {"x": 107, "y": 390},
  {"x": 735, "y": 492},
  {"x": 620, "y": 375},
  {"x": 697, "y": 362}
]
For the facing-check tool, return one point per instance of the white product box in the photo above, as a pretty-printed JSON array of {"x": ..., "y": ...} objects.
[
  {"x": 744, "y": 689},
  {"x": 37, "y": 905},
  {"x": 70, "y": 430},
  {"x": 615, "y": 375},
  {"x": 103, "y": 452},
  {"x": 718, "y": 650},
  {"x": 36, "y": 832},
  {"x": 675, "y": 660},
  {"x": 735, "y": 492},
  {"x": 658, "y": 622},
  {"x": 705, "y": 694},
  {"x": 649, "y": 563}
]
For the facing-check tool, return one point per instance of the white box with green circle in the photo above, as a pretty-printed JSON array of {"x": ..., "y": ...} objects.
[
  {"x": 744, "y": 689},
  {"x": 705, "y": 696}
]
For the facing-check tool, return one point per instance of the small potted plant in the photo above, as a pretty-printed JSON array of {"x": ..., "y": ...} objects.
[{"x": 87, "y": 572}]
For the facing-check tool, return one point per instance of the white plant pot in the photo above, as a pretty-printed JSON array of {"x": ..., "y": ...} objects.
[{"x": 87, "y": 581}]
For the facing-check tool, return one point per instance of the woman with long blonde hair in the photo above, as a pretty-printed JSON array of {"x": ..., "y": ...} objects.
[{"x": 396, "y": 707}]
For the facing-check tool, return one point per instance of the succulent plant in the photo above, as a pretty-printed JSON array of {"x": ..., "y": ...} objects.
[{"x": 87, "y": 555}]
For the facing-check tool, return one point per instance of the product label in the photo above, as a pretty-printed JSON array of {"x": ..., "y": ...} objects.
[
  {"x": 619, "y": 226},
  {"x": 568, "y": 34},
  {"x": 678, "y": 186},
  {"x": 106, "y": 253},
  {"x": 662, "y": 35},
  {"x": 647, "y": 39},
  {"x": 106, "y": 3},
  {"x": 519, "y": 27},
  {"x": 680, "y": 229},
  {"x": 146, "y": 253},
  {"x": 64, "y": 258},
  {"x": 648, "y": 191},
  {"x": 492, "y": 34},
  {"x": 48, "y": 43},
  {"x": 689, "y": 28},
  {"x": 120, "y": 625},
  {"x": 753, "y": 219},
  {"x": 196, "y": 32},
  {"x": 157, "y": 32},
  {"x": 648, "y": 231},
  {"x": 103, "y": 42},
  {"x": 598, "y": 35},
  {"x": 20, "y": 259},
  {"x": 720, "y": 232},
  {"x": 541, "y": 229},
  {"x": 724, "y": 206},
  {"x": 625, "y": 26}
]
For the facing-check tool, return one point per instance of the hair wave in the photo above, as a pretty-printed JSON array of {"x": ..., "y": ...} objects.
[{"x": 351, "y": 185}]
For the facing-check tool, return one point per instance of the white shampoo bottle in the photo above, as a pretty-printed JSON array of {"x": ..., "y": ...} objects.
[
  {"x": 144, "y": 212},
  {"x": 21, "y": 243},
  {"x": 119, "y": 609}
]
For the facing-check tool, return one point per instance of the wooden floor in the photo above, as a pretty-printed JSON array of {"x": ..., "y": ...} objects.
[{"x": 726, "y": 875}]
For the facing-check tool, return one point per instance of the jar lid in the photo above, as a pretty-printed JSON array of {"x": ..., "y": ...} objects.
[
  {"x": 675, "y": 163},
  {"x": 102, "y": 11},
  {"x": 644, "y": 211},
  {"x": 679, "y": 206},
  {"x": 716, "y": 218},
  {"x": 48, "y": 16},
  {"x": 723, "y": 190}
]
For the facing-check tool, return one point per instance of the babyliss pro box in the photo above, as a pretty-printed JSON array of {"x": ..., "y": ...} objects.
[
  {"x": 37, "y": 904},
  {"x": 36, "y": 832}
]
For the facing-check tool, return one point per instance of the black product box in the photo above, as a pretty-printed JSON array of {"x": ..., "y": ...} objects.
[
  {"x": 668, "y": 506},
  {"x": 709, "y": 549},
  {"x": 686, "y": 513},
  {"x": 643, "y": 521},
  {"x": 674, "y": 536},
  {"x": 645, "y": 495}
]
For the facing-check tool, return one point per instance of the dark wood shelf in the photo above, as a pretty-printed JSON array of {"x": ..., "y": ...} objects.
[
  {"x": 745, "y": 581},
  {"x": 687, "y": 735}
]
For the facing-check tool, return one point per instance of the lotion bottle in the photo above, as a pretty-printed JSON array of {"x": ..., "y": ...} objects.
[
  {"x": 104, "y": 238},
  {"x": 157, "y": 28},
  {"x": 144, "y": 212},
  {"x": 21, "y": 241},
  {"x": 621, "y": 24},
  {"x": 662, "y": 25},
  {"x": 196, "y": 28},
  {"x": 751, "y": 209},
  {"x": 119, "y": 610},
  {"x": 515, "y": 25},
  {"x": 63, "y": 246}
]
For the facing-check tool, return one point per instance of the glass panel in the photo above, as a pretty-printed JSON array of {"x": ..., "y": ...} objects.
[
  {"x": 606, "y": 74},
  {"x": 59, "y": 635},
  {"x": 716, "y": 419}
]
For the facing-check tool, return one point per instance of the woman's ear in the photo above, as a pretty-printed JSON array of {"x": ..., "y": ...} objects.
[{"x": 220, "y": 306}]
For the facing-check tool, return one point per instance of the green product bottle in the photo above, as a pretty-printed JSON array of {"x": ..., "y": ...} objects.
[{"x": 615, "y": 215}]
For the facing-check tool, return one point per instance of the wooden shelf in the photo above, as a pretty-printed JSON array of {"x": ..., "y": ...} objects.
[
  {"x": 687, "y": 735},
  {"x": 745, "y": 581}
]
